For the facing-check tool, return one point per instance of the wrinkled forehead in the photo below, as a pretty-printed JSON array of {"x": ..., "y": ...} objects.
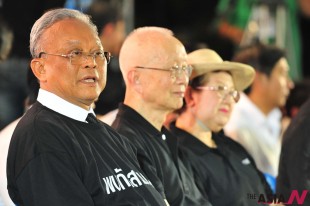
[
  {"x": 170, "y": 51},
  {"x": 69, "y": 32}
]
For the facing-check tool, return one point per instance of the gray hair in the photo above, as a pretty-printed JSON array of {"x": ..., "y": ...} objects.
[{"x": 50, "y": 18}]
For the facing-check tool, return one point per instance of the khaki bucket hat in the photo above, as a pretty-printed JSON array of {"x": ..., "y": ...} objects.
[{"x": 207, "y": 60}]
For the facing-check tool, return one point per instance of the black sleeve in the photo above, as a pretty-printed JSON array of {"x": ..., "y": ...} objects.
[
  {"x": 50, "y": 179},
  {"x": 294, "y": 167},
  {"x": 283, "y": 183}
]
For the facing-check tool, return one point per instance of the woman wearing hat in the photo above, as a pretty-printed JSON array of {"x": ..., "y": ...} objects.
[{"x": 223, "y": 169}]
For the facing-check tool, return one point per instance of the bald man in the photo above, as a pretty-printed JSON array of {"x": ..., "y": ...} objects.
[{"x": 154, "y": 67}]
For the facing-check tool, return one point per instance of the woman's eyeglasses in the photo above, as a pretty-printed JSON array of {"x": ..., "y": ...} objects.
[{"x": 223, "y": 91}]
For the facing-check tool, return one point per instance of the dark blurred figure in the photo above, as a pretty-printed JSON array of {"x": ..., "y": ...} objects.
[
  {"x": 304, "y": 22},
  {"x": 6, "y": 134},
  {"x": 8, "y": 85},
  {"x": 294, "y": 168},
  {"x": 6, "y": 38},
  {"x": 20, "y": 17},
  {"x": 192, "y": 28},
  {"x": 298, "y": 96},
  {"x": 111, "y": 28},
  {"x": 12, "y": 78}
]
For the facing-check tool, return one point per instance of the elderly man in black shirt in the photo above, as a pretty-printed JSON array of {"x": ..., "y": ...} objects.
[
  {"x": 154, "y": 66},
  {"x": 60, "y": 154}
]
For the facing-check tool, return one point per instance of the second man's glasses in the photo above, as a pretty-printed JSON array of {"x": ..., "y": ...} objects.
[{"x": 175, "y": 71}]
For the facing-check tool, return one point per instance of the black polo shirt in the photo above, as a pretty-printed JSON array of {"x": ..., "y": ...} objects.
[
  {"x": 54, "y": 160},
  {"x": 227, "y": 174},
  {"x": 159, "y": 158}
]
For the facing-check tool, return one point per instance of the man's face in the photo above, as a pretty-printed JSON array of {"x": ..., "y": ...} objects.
[
  {"x": 164, "y": 90},
  {"x": 78, "y": 82},
  {"x": 279, "y": 84}
]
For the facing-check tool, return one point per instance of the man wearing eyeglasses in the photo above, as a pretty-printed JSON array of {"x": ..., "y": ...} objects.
[
  {"x": 60, "y": 154},
  {"x": 154, "y": 66}
]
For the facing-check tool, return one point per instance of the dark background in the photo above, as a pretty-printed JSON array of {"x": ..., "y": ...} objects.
[{"x": 191, "y": 21}]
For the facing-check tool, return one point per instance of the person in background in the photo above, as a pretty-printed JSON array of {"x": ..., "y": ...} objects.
[
  {"x": 13, "y": 71},
  {"x": 111, "y": 28},
  {"x": 221, "y": 165},
  {"x": 298, "y": 96},
  {"x": 154, "y": 67},
  {"x": 294, "y": 167},
  {"x": 243, "y": 22},
  {"x": 6, "y": 38},
  {"x": 60, "y": 154},
  {"x": 7, "y": 132},
  {"x": 6, "y": 42},
  {"x": 256, "y": 120}
]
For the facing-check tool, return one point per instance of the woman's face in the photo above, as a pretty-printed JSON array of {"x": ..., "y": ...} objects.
[{"x": 213, "y": 105}]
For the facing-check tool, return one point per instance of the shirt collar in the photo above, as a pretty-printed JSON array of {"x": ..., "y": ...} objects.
[
  {"x": 249, "y": 107},
  {"x": 62, "y": 106},
  {"x": 189, "y": 141},
  {"x": 129, "y": 113},
  {"x": 272, "y": 121}
]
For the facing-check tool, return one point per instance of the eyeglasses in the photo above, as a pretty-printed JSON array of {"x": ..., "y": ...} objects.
[
  {"x": 223, "y": 91},
  {"x": 78, "y": 57},
  {"x": 176, "y": 71}
]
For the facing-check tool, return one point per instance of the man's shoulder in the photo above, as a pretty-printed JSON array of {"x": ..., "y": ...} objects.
[
  {"x": 115, "y": 134},
  {"x": 128, "y": 127},
  {"x": 40, "y": 118}
]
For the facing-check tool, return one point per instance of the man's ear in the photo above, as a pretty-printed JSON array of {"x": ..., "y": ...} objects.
[
  {"x": 37, "y": 67},
  {"x": 134, "y": 77}
]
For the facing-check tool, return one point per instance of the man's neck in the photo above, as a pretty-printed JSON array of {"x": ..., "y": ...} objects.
[
  {"x": 261, "y": 103},
  {"x": 153, "y": 116}
]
